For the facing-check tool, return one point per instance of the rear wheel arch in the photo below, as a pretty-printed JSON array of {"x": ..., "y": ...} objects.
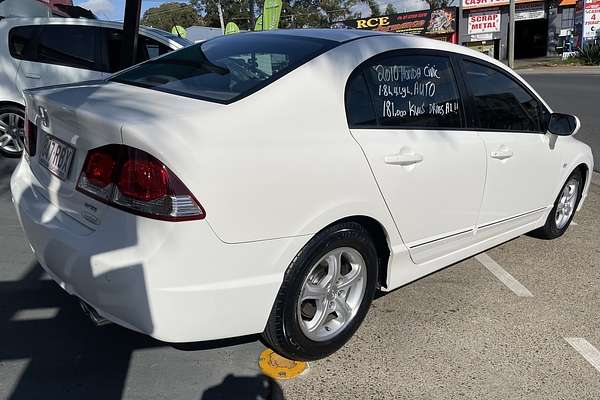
[
  {"x": 12, "y": 104},
  {"x": 380, "y": 239}
]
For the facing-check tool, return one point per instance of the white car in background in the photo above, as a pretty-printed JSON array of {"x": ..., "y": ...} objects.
[
  {"x": 271, "y": 182},
  {"x": 36, "y": 52}
]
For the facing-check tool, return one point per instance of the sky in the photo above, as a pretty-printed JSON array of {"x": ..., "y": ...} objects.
[{"x": 114, "y": 9}]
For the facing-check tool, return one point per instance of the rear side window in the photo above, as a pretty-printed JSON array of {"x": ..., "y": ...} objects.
[
  {"x": 20, "y": 41},
  {"x": 69, "y": 45},
  {"x": 112, "y": 40},
  {"x": 500, "y": 102},
  {"x": 226, "y": 68},
  {"x": 359, "y": 108},
  {"x": 409, "y": 91}
]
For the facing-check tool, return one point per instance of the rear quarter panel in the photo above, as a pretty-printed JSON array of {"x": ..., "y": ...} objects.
[
  {"x": 8, "y": 68},
  {"x": 278, "y": 163}
]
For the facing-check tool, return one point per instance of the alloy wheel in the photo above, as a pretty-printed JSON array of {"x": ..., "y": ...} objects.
[
  {"x": 11, "y": 132},
  {"x": 566, "y": 203},
  {"x": 332, "y": 293}
]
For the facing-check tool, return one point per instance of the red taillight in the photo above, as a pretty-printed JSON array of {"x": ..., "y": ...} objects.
[
  {"x": 133, "y": 180},
  {"x": 143, "y": 180},
  {"x": 99, "y": 168},
  {"x": 30, "y": 138}
]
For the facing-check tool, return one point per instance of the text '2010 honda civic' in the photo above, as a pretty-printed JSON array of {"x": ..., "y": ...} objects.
[{"x": 272, "y": 182}]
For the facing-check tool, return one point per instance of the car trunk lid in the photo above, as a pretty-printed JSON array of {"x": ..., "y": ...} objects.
[{"x": 68, "y": 124}]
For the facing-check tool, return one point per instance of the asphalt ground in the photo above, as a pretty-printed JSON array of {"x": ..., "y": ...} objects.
[
  {"x": 463, "y": 334},
  {"x": 458, "y": 333},
  {"x": 516, "y": 322}
]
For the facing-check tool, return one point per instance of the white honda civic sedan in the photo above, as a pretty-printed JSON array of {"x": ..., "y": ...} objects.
[{"x": 272, "y": 182}]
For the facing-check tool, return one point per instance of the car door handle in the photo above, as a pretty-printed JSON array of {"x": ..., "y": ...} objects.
[
  {"x": 32, "y": 76},
  {"x": 502, "y": 154},
  {"x": 403, "y": 159}
]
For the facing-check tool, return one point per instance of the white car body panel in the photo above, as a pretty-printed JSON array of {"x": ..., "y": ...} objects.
[
  {"x": 32, "y": 75},
  {"x": 266, "y": 191},
  {"x": 453, "y": 162},
  {"x": 516, "y": 186},
  {"x": 137, "y": 271},
  {"x": 22, "y": 74}
]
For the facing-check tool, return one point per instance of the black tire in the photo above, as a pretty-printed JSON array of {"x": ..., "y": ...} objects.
[
  {"x": 550, "y": 230},
  {"x": 283, "y": 332},
  {"x": 16, "y": 110}
]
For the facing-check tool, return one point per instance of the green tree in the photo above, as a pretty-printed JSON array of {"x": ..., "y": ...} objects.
[
  {"x": 314, "y": 13},
  {"x": 168, "y": 15},
  {"x": 335, "y": 10},
  {"x": 390, "y": 9},
  {"x": 294, "y": 14},
  {"x": 301, "y": 14},
  {"x": 373, "y": 6},
  {"x": 435, "y": 4},
  {"x": 237, "y": 11}
]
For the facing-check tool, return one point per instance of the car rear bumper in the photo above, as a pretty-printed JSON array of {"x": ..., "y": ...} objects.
[{"x": 176, "y": 282}]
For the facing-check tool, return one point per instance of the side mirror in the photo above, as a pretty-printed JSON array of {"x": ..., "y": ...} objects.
[{"x": 563, "y": 124}]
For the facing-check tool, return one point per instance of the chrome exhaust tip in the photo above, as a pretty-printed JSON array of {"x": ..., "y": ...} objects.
[{"x": 91, "y": 312}]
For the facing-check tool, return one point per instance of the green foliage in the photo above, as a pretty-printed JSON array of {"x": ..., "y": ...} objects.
[
  {"x": 590, "y": 54},
  {"x": 301, "y": 14},
  {"x": 168, "y": 15},
  {"x": 434, "y": 4},
  {"x": 374, "y": 6},
  {"x": 237, "y": 11},
  {"x": 315, "y": 13},
  {"x": 294, "y": 14}
]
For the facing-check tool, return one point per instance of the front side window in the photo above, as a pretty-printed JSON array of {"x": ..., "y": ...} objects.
[
  {"x": 20, "y": 41},
  {"x": 413, "y": 91},
  {"x": 152, "y": 49},
  {"x": 226, "y": 68},
  {"x": 69, "y": 45},
  {"x": 112, "y": 40},
  {"x": 500, "y": 102}
]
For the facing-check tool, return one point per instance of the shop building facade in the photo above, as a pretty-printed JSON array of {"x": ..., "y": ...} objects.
[
  {"x": 484, "y": 27},
  {"x": 541, "y": 29},
  {"x": 437, "y": 24}
]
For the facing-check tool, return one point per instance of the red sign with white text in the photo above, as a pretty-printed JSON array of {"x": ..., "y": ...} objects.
[
  {"x": 467, "y": 4},
  {"x": 591, "y": 19},
  {"x": 484, "y": 22}
]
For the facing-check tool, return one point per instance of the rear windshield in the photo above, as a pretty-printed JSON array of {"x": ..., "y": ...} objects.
[{"x": 226, "y": 68}]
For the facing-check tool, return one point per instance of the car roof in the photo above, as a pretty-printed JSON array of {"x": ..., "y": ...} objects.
[
  {"x": 405, "y": 40},
  {"x": 337, "y": 35},
  {"x": 60, "y": 20},
  {"x": 157, "y": 34}
]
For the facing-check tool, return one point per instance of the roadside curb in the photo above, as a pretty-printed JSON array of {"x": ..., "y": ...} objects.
[
  {"x": 596, "y": 178},
  {"x": 582, "y": 69}
]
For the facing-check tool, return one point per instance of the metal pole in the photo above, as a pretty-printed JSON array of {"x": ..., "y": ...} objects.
[
  {"x": 221, "y": 17},
  {"x": 131, "y": 27},
  {"x": 252, "y": 18},
  {"x": 511, "y": 34}
]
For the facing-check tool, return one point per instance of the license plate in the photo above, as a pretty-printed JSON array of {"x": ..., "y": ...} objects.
[{"x": 56, "y": 156}]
